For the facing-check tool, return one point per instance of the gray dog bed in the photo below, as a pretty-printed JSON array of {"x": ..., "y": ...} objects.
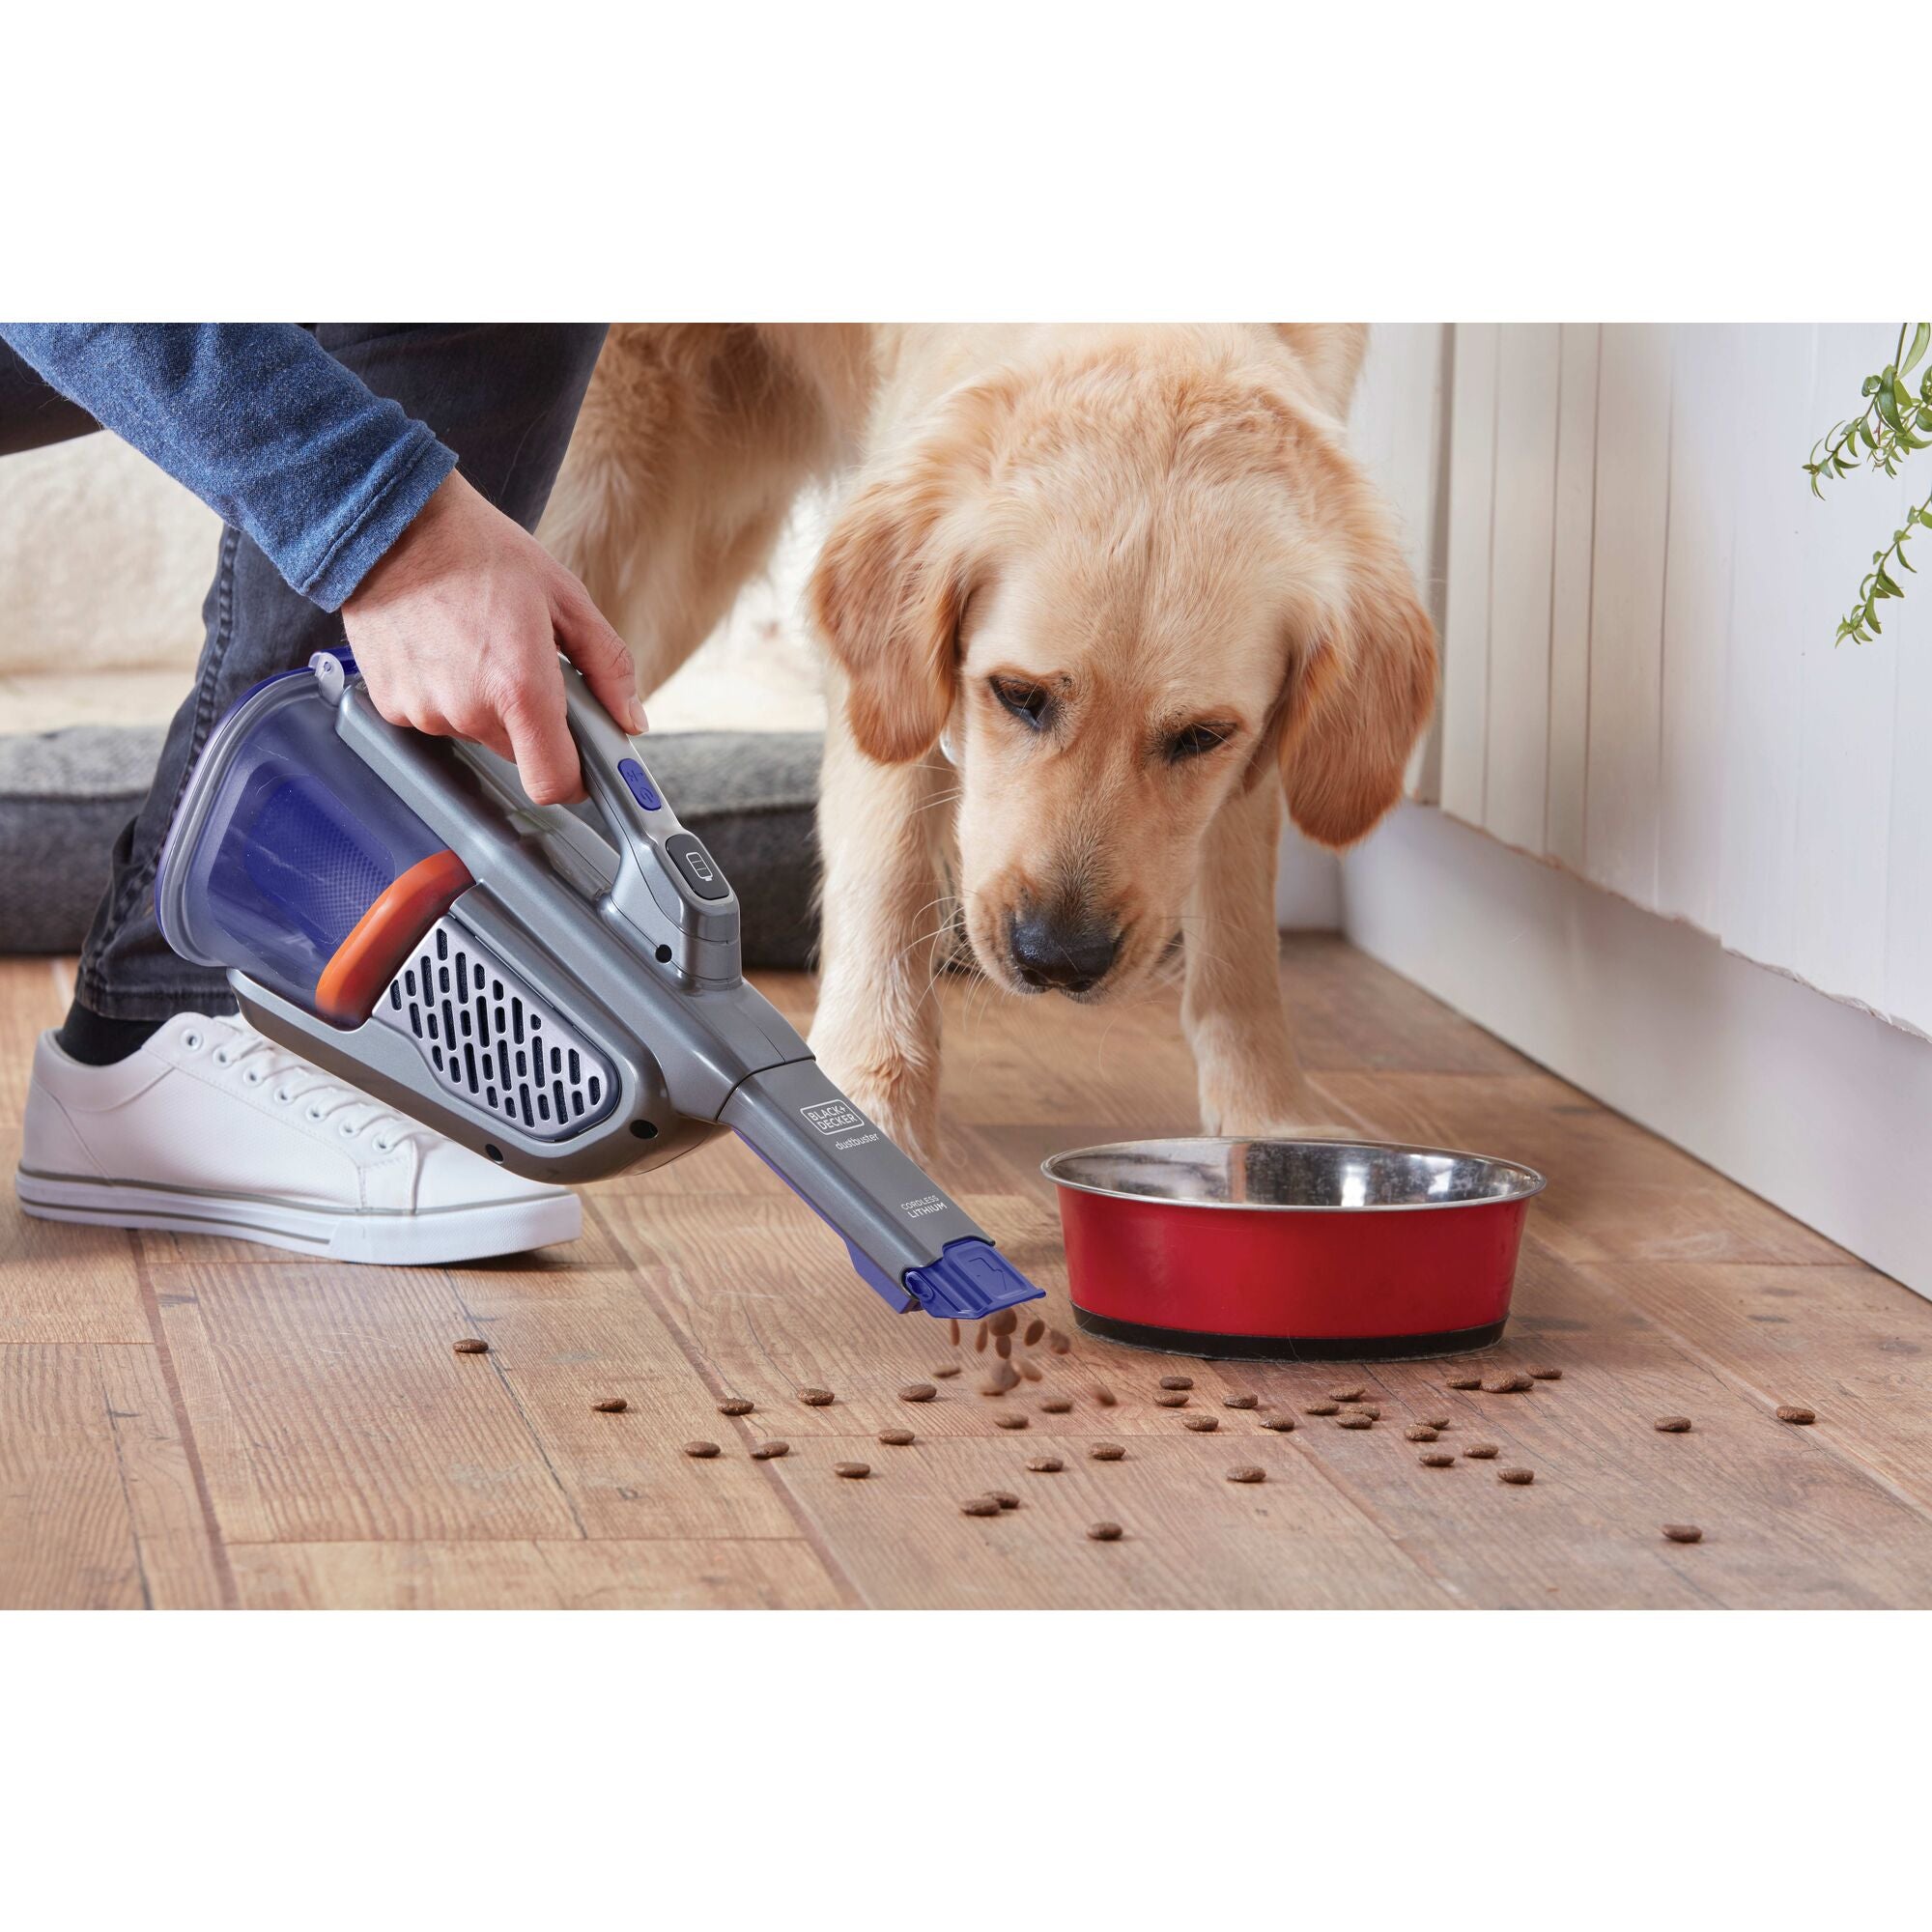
[{"x": 65, "y": 796}]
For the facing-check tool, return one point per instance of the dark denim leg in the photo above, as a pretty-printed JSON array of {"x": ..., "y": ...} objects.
[{"x": 504, "y": 397}]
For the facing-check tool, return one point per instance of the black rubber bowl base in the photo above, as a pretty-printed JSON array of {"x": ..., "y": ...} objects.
[{"x": 1288, "y": 1347}]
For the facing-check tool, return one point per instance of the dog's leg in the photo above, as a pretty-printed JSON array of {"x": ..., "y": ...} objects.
[
  {"x": 1250, "y": 1081},
  {"x": 887, "y": 925}
]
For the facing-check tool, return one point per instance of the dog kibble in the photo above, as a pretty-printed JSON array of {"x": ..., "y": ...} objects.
[
  {"x": 1034, "y": 1329},
  {"x": 1512, "y": 1383},
  {"x": 1672, "y": 1425},
  {"x": 1436, "y": 1458},
  {"x": 1280, "y": 1424},
  {"x": 1005, "y": 1499},
  {"x": 1002, "y": 1322},
  {"x": 979, "y": 1339},
  {"x": 1437, "y": 1421},
  {"x": 1002, "y": 1347},
  {"x": 613, "y": 1405},
  {"x": 1481, "y": 1452},
  {"x": 1104, "y": 1395},
  {"x": 1354, "y": 1419},
  {"x": 1683, "y": 1532},
  {"x": 700, "y": 1450},
  {"x": 953, "y": 1331},
  {"x": 1354, "y": 1392},
  {"x": 1001, "y": 1381},
  {"x": 1241, "y": 1402},
  {"x": 896, "y": 1438},
  {"x": 1547, "y": 1375},
  {"x": 816, "y": 1397},
  {"x": 978, "y": 1506},
  {"x": 1177, "y": 1381},
  {"x": 1419, "y": 1433},
  {"x": 1201, "y": 1424},
  {"x": 1031, "y": 1370},
  {"x": 918, "y": 1392},
  {"x": 852, "y": 1471},
  {"x": 1373, "y": 1410},
  {"x": 1103, "y": 1532},
  {"x": 1465, "y": 1382},
  {"x": 1056, "y": 1405},
  {"x": 770, "y": 1452},
  {"x": 1170, "y": 1399},
  {"x": 1058, "y": 1343},
  {"x": 1322, "y": 1409},
  {"x": 1045, "y": 1466},
  {"x": 1247, "y": 1472},
  {"x": 1792, "y": 1412},
  {"x": 1010, "y": 1422},
  {"x": 735, "y": 1405},
  {"x": 470, "y": 1346},
  {"x": 944, "y": 1370},
  {"x": 1516, "y": 1477},
  {"x": 1107, "y": 1451}
]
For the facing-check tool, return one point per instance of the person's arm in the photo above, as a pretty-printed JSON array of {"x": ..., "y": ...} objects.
[{"x": 455, "y": 612}]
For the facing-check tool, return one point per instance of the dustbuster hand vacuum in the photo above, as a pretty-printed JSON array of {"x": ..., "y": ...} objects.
[{"x": 393, "y": 907}]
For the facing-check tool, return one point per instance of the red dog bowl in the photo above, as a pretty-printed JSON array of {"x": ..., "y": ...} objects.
[{"x": 1312, "y": 1250}]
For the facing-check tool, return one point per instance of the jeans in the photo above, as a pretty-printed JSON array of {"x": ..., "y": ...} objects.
[{"x": 503, "y": 397}]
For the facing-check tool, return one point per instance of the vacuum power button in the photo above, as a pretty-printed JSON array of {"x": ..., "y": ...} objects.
[
  {"x": 639, "y": 780},
  {"x": 700, "y": 873}
]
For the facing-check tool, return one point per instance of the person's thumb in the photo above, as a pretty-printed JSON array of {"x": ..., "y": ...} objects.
[{"x": 602, "y": 657}]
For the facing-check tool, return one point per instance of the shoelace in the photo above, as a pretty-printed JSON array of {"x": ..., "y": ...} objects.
[{"x": 326, "y": 1097}]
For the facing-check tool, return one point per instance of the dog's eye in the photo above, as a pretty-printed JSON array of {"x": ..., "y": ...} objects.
[
  {"x": 1031, "y": 703},
  {"x": 1196, "y": 741}
]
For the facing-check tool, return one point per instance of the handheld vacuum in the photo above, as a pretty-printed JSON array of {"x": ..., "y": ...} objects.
[{"x": 560, "y": 999}]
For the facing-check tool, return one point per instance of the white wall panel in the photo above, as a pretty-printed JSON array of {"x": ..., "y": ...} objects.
[
  {"x": 1466, "y": 628},
  {"x": 1572, "y": 550}
]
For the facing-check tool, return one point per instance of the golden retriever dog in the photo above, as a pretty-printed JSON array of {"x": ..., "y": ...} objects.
[{"x": 1097, "y": 601}]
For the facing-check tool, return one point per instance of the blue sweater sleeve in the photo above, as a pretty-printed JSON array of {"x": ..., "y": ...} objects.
[{"x": 264, "y": 425}]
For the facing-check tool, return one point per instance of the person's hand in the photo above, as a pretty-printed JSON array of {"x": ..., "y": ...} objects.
[{"x": 456, "y": 631}]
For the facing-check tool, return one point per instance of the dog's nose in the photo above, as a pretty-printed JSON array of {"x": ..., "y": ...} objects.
[{"x": 1072, "y": 954}]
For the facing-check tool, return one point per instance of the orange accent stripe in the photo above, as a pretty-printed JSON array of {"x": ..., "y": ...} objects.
[{"x": 373, "y": 953}]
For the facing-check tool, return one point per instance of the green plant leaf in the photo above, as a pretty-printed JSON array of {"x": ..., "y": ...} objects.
[
  {"x": 1888, "y": 406},
  {"x": 1920, "y": 337}
]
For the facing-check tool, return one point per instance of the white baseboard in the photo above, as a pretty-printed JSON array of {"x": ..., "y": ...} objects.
[
  {"x": 1819, "y": 1107},
  {"x": 1307, "y": 886}
]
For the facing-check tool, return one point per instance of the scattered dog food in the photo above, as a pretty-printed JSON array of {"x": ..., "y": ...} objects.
[
  {"x": 1672, "y": 1425},
  {"x": 700, "y": 1450},
  {"x": 1002, "y": 1347},
  {"x": 1104, "y": 1395},
  {"x": 1355, "y": 1419},
  {"x": 945, "y": 1368},
  {"x": 1512, "y": 1383},
  {"x": 816, "y": 1397},
  {"x": 1056, "y": 1405},
  {"x": 1201, "y": 1424},
  {"x": 613, "y": 1405},
  {"x": 1437, "y": 1421},
  {"x": 1240, "y": 1401},
  {"x": 1034, "y": 1329},
  {"x": 734, "y": 1405},
  {"x": 1354, "y": 1392},
  {"x": 1107, "y": 1451},
  {"x": 1177, "y": 1381},
  {"x": 979, "y": 1339},
  {"x": 896, "y": 1438},
  {"x": 1436, "y": 1458},
  {"x": 1465, "y": 1382},
  {"x": 470, "y": 1346},
  {"x": 1280, "y": 1424},
  {"x": 1419, "y": 1432},
  {"x": 918, "y": 1392},
  {"x": 1009, "y": 1421},
  {"x": 1792, "y": 1412},
  {"x": 1481, "y": 1452},
  {"x": 1683, "y": 1532},
  {"x": 1045, "y": 1466},
  {"x": 1103, "y": 1532},
  {"x": 1001, "y": 1381},
  {"x": 1373, "y": 1410},
  {"x": 852, "y": 1471},
  {"x": 1002, "y": 1322},
  {"x": 1247, "y": 1472},
  {"x": 1546, "y": 1374},
  {"x": 1060, "y": 1344},
  {"x": 1322, "y": 1409},
  {"x": 1518, "y": 1477},
  {"x": 1170, "y": 1399},
  {"x": 978, "y": 1506},
  {"x": 953, "y": 1331},
  {"x": 770, "y": 1452},
  {"x": 1031, "y": 1368},
  {"x": 1005, "y": 1499}
]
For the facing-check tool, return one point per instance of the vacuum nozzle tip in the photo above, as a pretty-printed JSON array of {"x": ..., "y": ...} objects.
[{"x": 969, "y": 1281}]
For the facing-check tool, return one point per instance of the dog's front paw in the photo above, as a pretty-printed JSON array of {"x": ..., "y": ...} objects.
[
  {"x": 1253, "y": 1109},
  {"x": 896, "y": 1095}
]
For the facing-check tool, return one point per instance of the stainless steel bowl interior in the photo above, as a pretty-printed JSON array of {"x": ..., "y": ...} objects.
[{"x": 1332, "y": 1176}]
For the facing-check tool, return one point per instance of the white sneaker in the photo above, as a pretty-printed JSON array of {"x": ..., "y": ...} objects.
[{"x": 209, "y": 1128}]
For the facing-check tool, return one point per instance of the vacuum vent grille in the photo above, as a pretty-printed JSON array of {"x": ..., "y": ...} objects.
[{"x": 493, "y": 1041}]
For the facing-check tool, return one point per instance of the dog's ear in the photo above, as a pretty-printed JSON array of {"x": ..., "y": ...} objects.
[
  {"x": 1330, "y": 355},
  {"x": 889, "y": 590},
  {"x": 1359, "y": 692}
]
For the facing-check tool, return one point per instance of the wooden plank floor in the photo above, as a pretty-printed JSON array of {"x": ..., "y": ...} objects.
[{"x": 196, "y": 1424}]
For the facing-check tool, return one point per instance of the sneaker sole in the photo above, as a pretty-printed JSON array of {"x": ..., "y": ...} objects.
[{"x": 388, "y": 1240}]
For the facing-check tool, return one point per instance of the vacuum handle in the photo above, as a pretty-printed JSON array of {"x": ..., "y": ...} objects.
[{"x": 668, "y": 885}]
